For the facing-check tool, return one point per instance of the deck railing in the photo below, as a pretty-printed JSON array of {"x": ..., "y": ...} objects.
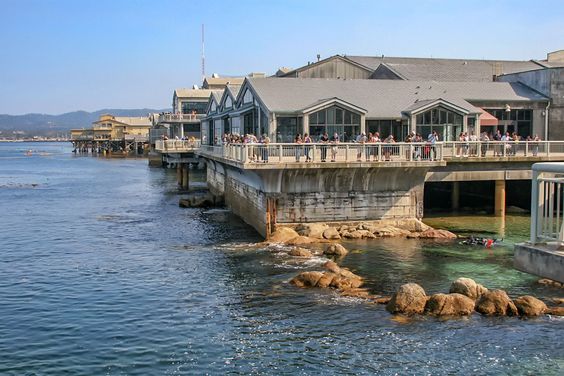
[
  {"x": 340, "y": 152},
  {"x": 177, "y": 118},
  {"x": 547, "y": 209},
  {"x": 489, "y": 149},
  {"x": 176, "y": 146}
]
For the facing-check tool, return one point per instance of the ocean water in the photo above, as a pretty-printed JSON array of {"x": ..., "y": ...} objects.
[{"x": 101, "y": 273}]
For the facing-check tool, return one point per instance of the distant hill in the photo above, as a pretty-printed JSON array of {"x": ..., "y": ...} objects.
[{"x": 46, "y": 125}]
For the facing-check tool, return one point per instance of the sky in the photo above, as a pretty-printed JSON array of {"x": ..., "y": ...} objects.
[{"x": 59, "y": 56}]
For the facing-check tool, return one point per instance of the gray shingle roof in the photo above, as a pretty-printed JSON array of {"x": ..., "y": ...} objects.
[
  {"x": 381, "y": 98},
  {"x": 423, "y": 69}
]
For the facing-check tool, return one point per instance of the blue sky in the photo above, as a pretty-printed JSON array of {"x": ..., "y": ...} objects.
[{"x": 64, "y": 55}]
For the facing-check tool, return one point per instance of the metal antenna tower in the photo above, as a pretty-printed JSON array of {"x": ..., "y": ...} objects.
[{"x": 203, "y": 56}]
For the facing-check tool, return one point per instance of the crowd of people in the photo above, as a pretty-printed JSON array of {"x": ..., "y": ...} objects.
[{"x": 468, "y": 145}]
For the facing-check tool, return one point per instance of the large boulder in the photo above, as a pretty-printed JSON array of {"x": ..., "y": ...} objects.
[
  {"x": 332, "y": 267},
  {"x": 449, "y": 305},
  {"x": 307, "y": 279},
  {"x": 530, "y": 306},
  {"x": 556, "y": 311},
  {"x": 468, "y": 287},
  {"x": 282, "y": 235},
  {"x": 300, "y": 239},
  {"x": 335, "y": 250},
  {"x": 331, "y": 233},
  {"x": 341, "y": 282},
  {"x": 437, "y": 234},
  {"x": 300, "y": 252},
  {"x": 409, "y": 299},
  {"x": 312, "y": 230},
  {"x": 496, "y": 303}
]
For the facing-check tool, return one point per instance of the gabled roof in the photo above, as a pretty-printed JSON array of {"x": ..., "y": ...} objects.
[
  {"x": 436, "y": 69},
  {"x": 215, "y": 81},
  {"x": 381, "y": 98},
  {"x": 294, "y": 72},
  {"x": 457, "y": 104},
  {"x": 192, "y": 93}
]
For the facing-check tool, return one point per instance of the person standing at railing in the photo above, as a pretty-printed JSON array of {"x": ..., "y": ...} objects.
[
  {"x": 536, "y": 141},
  {"x": 408, "y": 139},
  {"x": 265, "y": 140},
  {"x": 307, "y": 149},
  {"x": 474, "y": 145},
  {"x": 361, "y": 140},
  {"x": 334, "y": 141},
  {"x": 432, "y": 139},
  {"x": 388, "y": 149},
  {"x": 498, "y": 150},
  {"x": 298, "y": 141},
  {"x": 417, "y": 150},
  {"x": 485, "y": 139},
  {"x": 324, "y": 140}
]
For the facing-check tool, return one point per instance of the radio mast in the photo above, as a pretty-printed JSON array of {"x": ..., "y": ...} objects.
[{"x": 203, "y": 56}]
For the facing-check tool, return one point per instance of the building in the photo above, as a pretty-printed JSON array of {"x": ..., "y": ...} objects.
[
  {"x": 113, "y": 133},
  {"x": 284, "y": 107}
]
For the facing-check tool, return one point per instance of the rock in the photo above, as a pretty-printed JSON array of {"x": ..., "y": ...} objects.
[
  {"x": 449, "y": 305},
  {"x": 282, "y": 235},
  {"x": 383, "y": 300},
  {"x": 556, "y": 311},
  {"x": 496, "y": 303},
  {"x": 307, "y": 279},
  {"x": 343, "y": 283},
  {"x": 312, "y": 230},
  {"x": 412, "y": 225},
  {"x": 336, "y": 250},
  {"x": 549, "y": 282},
  {"x": 414, "y": 235},
  {"x": 356, "y": 234},
  {"x": 468, "y": 287},
  {"x": 437, "y": 234},
  {"x": 343, "y": 228},
  {"x": 300, "y": 252},
  {"x": 409, "y": 299},
  {"x": 558, "y": 301},
  {"x": 200, "y": 200},
  {"x": 300, "y": 239},
  {"x": 331, "y": 233},
  {"x": 326, "y": 280},
  {"x": 356, "y": 293},
  {"x": 529, "y": 306},
  {"x": 390, "y": 231},
  {"x": 332, "y": 267}
]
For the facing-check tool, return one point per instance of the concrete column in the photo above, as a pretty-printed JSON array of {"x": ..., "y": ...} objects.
[
  {"x": 185, "y": 176},
  {"x": 181, "y": 130},
  {"x": 464, "y": 125},
  {"x": 305, "y": 125},
  {"x": 477, "y": 127},
  {"x": 363, "y": 124},
  {"x": 455, "y": 195},
  {"x": 179, "y": 173},
  {"x": 499, "y": 209}
]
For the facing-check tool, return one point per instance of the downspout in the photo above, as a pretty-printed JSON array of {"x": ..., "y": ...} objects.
[{"x": 546, "y": 121}]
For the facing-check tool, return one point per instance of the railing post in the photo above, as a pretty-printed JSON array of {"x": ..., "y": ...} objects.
[
  {"x": 314, "y": 149},
  {"x": 280, "y": 150},
  {"x": 346, "y": 152},
  {"x": 547, "y": 148},
  {"x": 410, "y": 152},
  {"x": 526, "y": 148},
  {"x": 380, "y": 151},
  {"x": 244, "y": 153}
]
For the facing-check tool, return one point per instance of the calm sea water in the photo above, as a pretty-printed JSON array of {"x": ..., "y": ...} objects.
[{"x": 102, "y": 273}]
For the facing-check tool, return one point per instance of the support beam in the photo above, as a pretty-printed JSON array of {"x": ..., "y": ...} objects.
[
  {"x": 455, "y": 195},
  {"x": 499, "y": 210},
  {"x": 179, "y": 173},
  {"x": 185, "y": 176}
]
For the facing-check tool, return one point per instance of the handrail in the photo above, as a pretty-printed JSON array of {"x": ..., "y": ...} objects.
[
  {"x": 179, "y": 117},
  {"x": 176, "y": 145},
  {"x": 547, "y": 210},
  {"x": 326, "y": 152}
]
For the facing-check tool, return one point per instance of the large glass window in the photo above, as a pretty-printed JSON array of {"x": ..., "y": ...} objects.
[
  {"x": 286, "y": 129},
  {"x": 387, "y": 127},
  {"x": 334, "y": 120},
  {"x": 519, "y": 121},
  {"x": 448, "y": 124},
  {"x": 198, "y": 107}
]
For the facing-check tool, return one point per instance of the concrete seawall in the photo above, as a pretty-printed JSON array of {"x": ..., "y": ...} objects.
[
  {"x": 540, "y": 260},
  {"x": 263, "y": 198}
]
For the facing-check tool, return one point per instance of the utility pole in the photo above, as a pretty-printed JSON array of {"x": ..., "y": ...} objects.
[{"x": 203, "y": 56}]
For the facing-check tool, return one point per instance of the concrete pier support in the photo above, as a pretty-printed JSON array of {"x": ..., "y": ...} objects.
[
  {"x": 455, "y": 195},
  {"x": 185, "y": 176},
  {"x": 499, "y": 208},
  {"x": 179, "y": 173}
]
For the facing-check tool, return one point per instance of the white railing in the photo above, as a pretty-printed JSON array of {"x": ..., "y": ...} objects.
[
  {"x": 499, "y": 149},
  {"x": 176, "y": 146},
  {"x": 340, "y": 152},
  {"x": 547, "y": 210},
  {"x": 168, "y": 118}
]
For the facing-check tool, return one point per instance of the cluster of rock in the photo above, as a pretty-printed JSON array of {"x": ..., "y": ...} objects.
[
  {"x": 465, "y": 296},
  {"x": 200, "y": 199},
  {"x": 321, "y": 232}
]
